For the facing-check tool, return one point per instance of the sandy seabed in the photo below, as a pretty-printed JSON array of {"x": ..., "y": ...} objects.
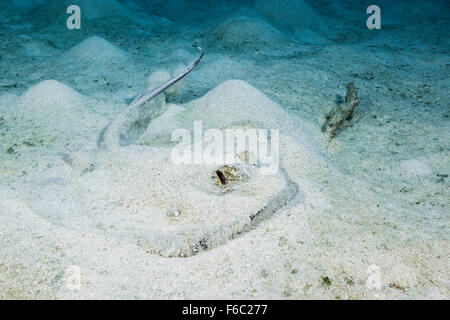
[{"x": 364, "y": 216}]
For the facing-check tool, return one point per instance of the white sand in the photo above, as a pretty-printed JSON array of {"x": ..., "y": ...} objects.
[
  {"x": 96, "y": 49},
  {"x": 375, "y": 198}
]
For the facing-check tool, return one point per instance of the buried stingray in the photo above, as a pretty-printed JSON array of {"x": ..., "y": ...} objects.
[{"x": 202, "y": 239}]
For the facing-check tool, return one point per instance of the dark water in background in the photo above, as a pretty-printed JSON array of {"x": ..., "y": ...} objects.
[
  {"x": 257, "y": 32},
  {"x": 288, "y": 15}
]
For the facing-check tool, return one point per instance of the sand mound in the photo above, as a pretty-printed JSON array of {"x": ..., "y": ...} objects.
[
  {"x": 298, "y": 17},
  {"x": 50, "y": 98},
  {"x": 238, "y": 101},
  {"x": 97, "y": 49},
  {"x": 239, "y": 33},
  {"x": 53, "y": 105},
  {"x": 234, "y": 101},
  {"x": 309, "y": 25},
  {"x": 290, "y": 13}
]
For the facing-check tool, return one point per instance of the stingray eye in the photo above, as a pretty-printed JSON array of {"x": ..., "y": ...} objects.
[{"x": 222, "y": 178}]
